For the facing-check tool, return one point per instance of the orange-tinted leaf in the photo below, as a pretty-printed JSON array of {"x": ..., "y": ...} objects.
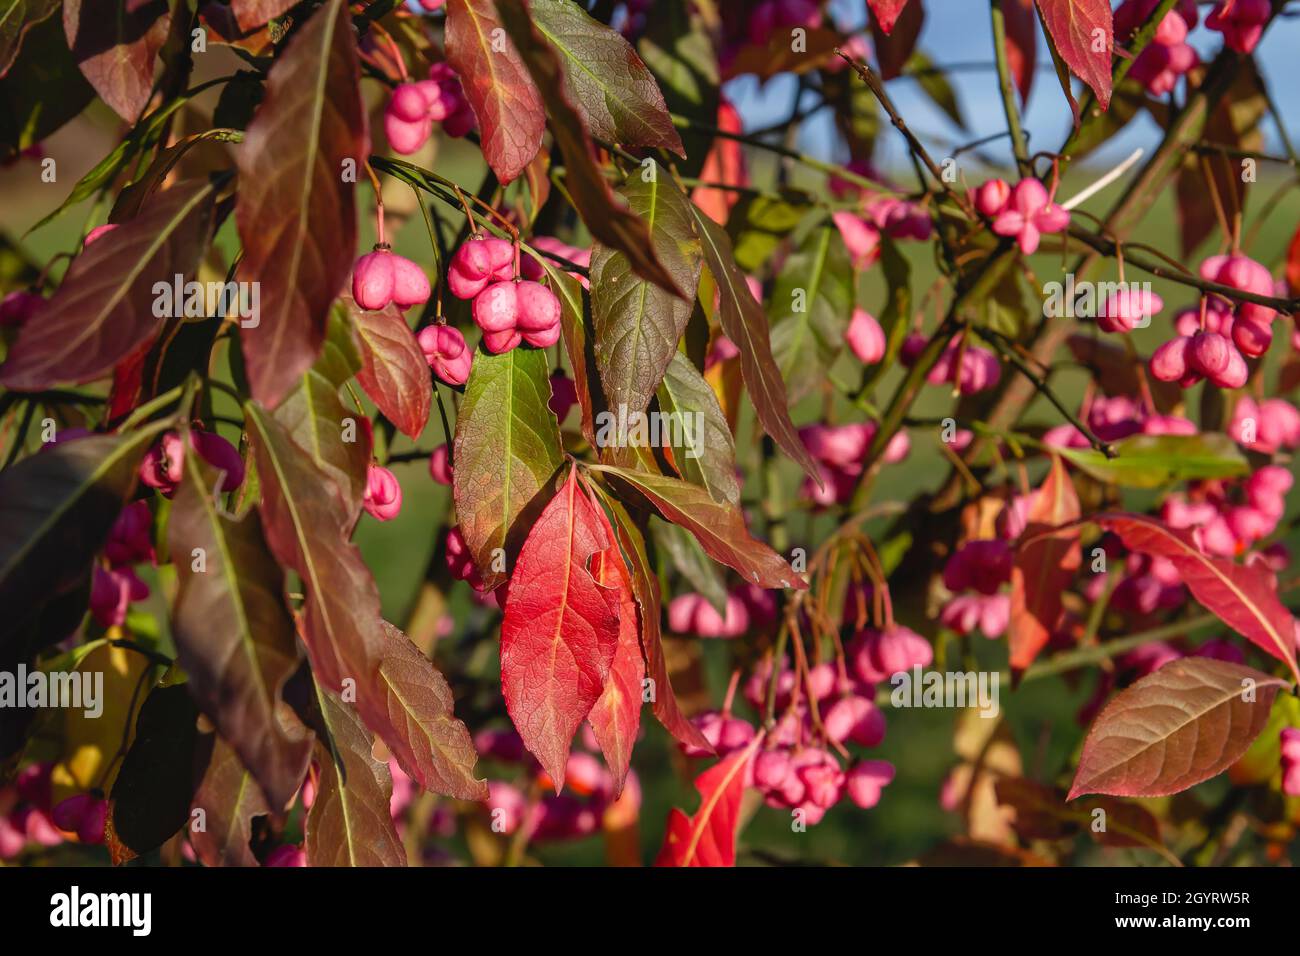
[
  {"x": 1044, "y": 566},
  {"x": 1180, "y": 725},
  {"x": 393, "y": 372},
  {"x": 251, "y": 14},
  {"x": 561, "y": 628},
  {"x": 295, "y": 209}
]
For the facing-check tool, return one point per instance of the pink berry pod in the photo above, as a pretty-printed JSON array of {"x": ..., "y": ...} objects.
[
  {"x": 406, "y": 137},
  {"x": 112, "y": 591},
  {"x": 978, "y": 371},
  {"x": 18, "y": 307},
  {"x": 538, "y": 307},
  {"x": 439, "y": 466},
  {"x": 410, "y": 284},
  {"x": 1168, "y": 425},
  {"x": 861, "y": 239},
  {"x": 409, "y": 103},
  {"x": 286, "y": 855},
  {"x": 992, "y": 197},
  {"x": 163, "y": 464},
  {"x": 771, "y": 767},
  {"x": 479, "y": 261},
  {"x": 1252, "y": 336},
  {"x": 83, "y": 814},
  {"x": 383, "y": 496},
  {"x": 445, "y": 350},
  {"x": 221, "y": 455},
  {"x": 1169, "y": 363},
  {"x": 878, "y": 655},
  {"x": 865, "y": 337},
  {"x": 1290, "y": 751},
  {"x": 1210, "y": 353},
  {"x": 501, "y": 342},
  {"x": 459, "y": 123},
  {"x": 1270, "y": 482},
  {"x": 1128, "y": 309},
  {"x": 496, "y": 308},
  {"x": 131, "y": 539},
  {"x": 681, "y": 613},
  {"x": 865, "y": 781},
  {"x": 500, "y": 743},
  {"x": 373, "y": 279},
  {"x": 1249, "y": 524},
  {"x": 1241, "y": 22},
  {"x": 1235, "y": 375},
  {"x": 855, "y": 719},
  {"x": 98, "y": 232},
  {"x": 564, "y": 395}
]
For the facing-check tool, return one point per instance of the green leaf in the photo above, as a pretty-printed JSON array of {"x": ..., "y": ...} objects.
[
  {"x": 704, "y": 451},
  {"x": 1152, "y": 461},
  {"x": 934, "y": 83},
  {"x": 812, "y": 304},
  {"x": 677, "y": 48},
  {"x": 42, "y": 90},
  {"x": 617, "y": 96},
  {"x": 16, "y": 18},
  {"x": 699, "y": 572},
  {"x": 759, "y": 223},
  {"x": 637, "y": 323},
  {"x": 507, "y": 450},
  {"x": 575, "y": 327}
]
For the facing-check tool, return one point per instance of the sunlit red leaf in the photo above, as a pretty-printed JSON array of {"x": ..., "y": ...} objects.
[
  {"x": 1044, "y": 565},
  {"x": 1180, "y": 725},
  {"x": 885, "y": 12},
  {"x": 709, "y": 837},
  {"x": 561, "y": 628},
  {"x": 251, "y": 14},
  {"x": 1083, "y": 32},
  {"x": 1022, "y": 43},
  {"x": 393, "y": 372},
  {"x": 1242, "y": 596}
]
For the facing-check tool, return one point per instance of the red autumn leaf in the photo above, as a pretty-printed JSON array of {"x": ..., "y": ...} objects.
[
  {"x": 1293, "y": 264},
  {"x": 709, "y": 837},
  {"x": 393, "y": 372},
  {"x": 251, "y": 14},
  {"x": 616, "y": 717},
  {"x": 1044, "y": 565},
  {"x": 1083, "y": 32},
  {"x": 561, "y": 628},
  {"x": 116, "y": 44},
  {"x": 1241, "y": 596},
  {"x": 1184, "y": 723},
  {"x": 894, "y": 43},
  {"x": 1022, "y": 43},
  {"x": 885, "y": 12},
  {"x": 724, "y": 164},
  {"x": 104, "y": 308},
  {"x": 295, "y": 208},
  {"x": 509, "y": 109}
]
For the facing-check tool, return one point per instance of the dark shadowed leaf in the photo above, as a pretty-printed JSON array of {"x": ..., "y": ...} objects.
[
  {"x": 638, "y": 323},
  {"x": 16, "y": 18},
  {"x": 105, "y": 308},
  {"x": 1022, "y": 43},
  {"x": 234, "y": 636},
  {"x": 894, "y": 44},
  {"x": 393, "y": 372},
  {"x": 295, "y": 210},
  {"x": 699, "y": 572},
  {"x": 349, "y": 824},
  {"x": 935, "y": 84},
  {"x": 719, "y": 527},
  {"x": 160, "y": 774},
  {"x": 229, "y": 798},
  {"x": 251, "y": 14},
  {"x": 609, "y": 220},
  {"x": 811, "y": 307},
  {"x": 116, "y": 44},
  {"x": 509, "y": 109},
  {"x": 1180, "y": 725},
  {"x": 1045, "y": 563},
  {"x": 677, "y": 48},
  {"x": 745, "y": 324},
  {"x": 619, "y": 99},
  {"x": 56, "y": 510},
  {"x": 561, "y": 628},
  {"x": 575, "y": 327},
  {"x": 507, "y": 450}
]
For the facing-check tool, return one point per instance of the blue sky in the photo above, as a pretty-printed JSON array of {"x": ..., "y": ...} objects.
[{"x": 958, "y": 31}]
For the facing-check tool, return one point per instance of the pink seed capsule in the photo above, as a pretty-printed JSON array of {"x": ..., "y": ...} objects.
[
  {"x": 439, "y": 467},
  {"x": 478, "y": 262},
  {"x": 1210, "y": 353},
  {"x": 538, "y": 307},
  {"x": 544, "y": 339},
  {"x": 1235, "y": 375},
  {"x": 409, "y": 103},
  {"x": 220, "y": 454},
  {"x": 383, "y": 497},
  {"x": 1169, "y": 362},
  {"x": 372, "y": 280},
  {"x": 410, "y": 284},
  {"x": 865, "y": 337},
  {"x": 445, "y": 350},
  {"x": 496, "y": 308},
  {"x": 991, "y": 198},
  {"x": 499, "y": 342},
  {"x": 1252, "y": 336},
  {"x": 406, "y": 137}
]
